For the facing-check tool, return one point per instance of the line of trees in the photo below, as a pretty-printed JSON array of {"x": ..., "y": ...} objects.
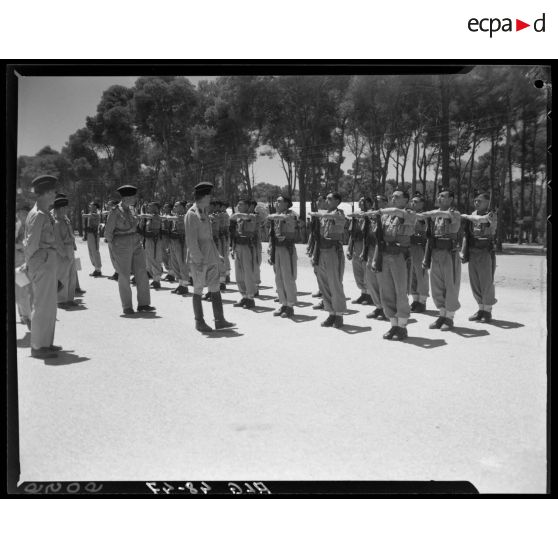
[{"x": 484, "y": 130}]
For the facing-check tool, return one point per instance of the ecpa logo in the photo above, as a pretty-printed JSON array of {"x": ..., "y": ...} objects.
[{"x": 494, "y": 24}]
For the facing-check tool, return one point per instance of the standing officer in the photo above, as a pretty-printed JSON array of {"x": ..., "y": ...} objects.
[
  {"x": 165, "y": 241},
  {"x": 283, "y": 256},
  {"x": 482, "y": 257},
  {"x": 91, "y": 235},
  {"x": 122, "y": 235},
  {"x": 445, "y": 268},
  {"x": 245, "y": 243},
  {"x": 40, "y": 256},
  {"x": 203, "y": 258},
  {"x": 371, "y": 276},
  {"x": 313, "y": 246},
  {"x": 224, "y": 231},
  {"x": 354, "y": 251},
  {"x": 331, "y": 263},
  {"x": 65, "y": 247},
  {"x": 112, "y": 204},
  {"x": 398, "y": 224},
  {"x": 257, "y": 270},
  {"x": 178, "y": 262},
  {"x": 22, "y": 293},
  {"x": 419, "y": 278},
  {"x": 151, "y": 230}
]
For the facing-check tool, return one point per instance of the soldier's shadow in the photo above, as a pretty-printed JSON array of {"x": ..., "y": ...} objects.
[
  {"x": 354, "y": 329},
  {"x": 263, "y": 287},
  {"x": 65, "y": 357},
  {"x": 505, "y": 324},
  {"x": 219, "y": 333},
  {"x": 350, "y": 312},
  {"x": 303, "y": 293},
  {"x": 468, "y": 332},
  {"x": 74, "y": 308},
  {"x": 303, "y": 304},
  {"x": 25, "y": 342},
  {"x": 425, "y": 343},
  {"x": 430, "y": 312},
  {"x": 227, "y": 301},
  {"x": 262, "y": 309},
  {"x": 301, "y": 318},
  {"x": 141, "y": 315},
  {"x": 266, "y": 297}
]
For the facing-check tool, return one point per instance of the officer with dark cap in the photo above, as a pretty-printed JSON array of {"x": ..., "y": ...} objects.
[
  {"x": 419, "y": 277},
  {"x": 22, "y": 292},
  {"x": 40, "y": 257},
  {"x": 92, "y": 222},
  {"x": 113, "y": 201},
  {"x": 122, "y": 235},
  {"x": 65, "y": 247},
  {"x": 203, "y": 258},
  {"x": 482, "y": 257}
]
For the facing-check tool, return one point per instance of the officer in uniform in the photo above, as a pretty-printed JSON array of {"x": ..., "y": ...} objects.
[
  {"x": 165, "y": 241},
  {"x": 312, "y": 248},
  {"x": 482, "y": 257},
  {"x": 214, "y": 213},
  {"x": 419, "y": 277},
  {"x": 371, "y": 276},
  {"x": 257, "y": 270},
  {"x": 398, "y": 224},
  {"x": 91, "y": 235},
  {"x": 331, "y": 264},
  {"x": 445, "y": 269},
  {"x": 224, "y": 226},
  {"x": 151, "y": 230},
  {"x": 122, "y": 235},
  {"x": 114, "y": 200},
  {"x": 245, "y": 242},
  {"x": 354, "y": 251},
  {"x": 65, "y": 247},
  {"x": 283, "y": 256},
  {"x": 203, "y": 258},
  {"x": 178, "y": 262},
  {"x": 22, "y": 293},
  {"x": 40, "y": 257}
]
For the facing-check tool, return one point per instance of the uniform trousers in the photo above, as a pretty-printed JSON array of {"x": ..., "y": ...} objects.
[
  {"x": 93, "y": 248},
  {"x": 245, "y": 269},
  {"x": 482, "y": 264},
  {"x": 165, "y": 249},
  {"x": 41, "y": 269},
  {"x": 393, "y": 286},
  {"x": 66, "y": 274},
  {"x": 154, "y": 257},
  {"x": 445, "y": 279},
  {"x": 359, "y": 267},
  {"x": 178, "y": 263},
  {"x": 372, "y": 283},
  {"x": 285, "y": 269},
  {"x": 330, "y": 279},
  {"x": 112, "y": 260},
  {"x": 129, "y": 258},
  {"x": 419, "y": 277},
  {"x": 208, "y": 276}
]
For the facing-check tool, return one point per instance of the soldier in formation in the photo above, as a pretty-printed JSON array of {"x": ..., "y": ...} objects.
[{"x": 92, "y": 223}]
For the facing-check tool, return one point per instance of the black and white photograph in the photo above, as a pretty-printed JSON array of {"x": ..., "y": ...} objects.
[{"x": 291, "y": 274}]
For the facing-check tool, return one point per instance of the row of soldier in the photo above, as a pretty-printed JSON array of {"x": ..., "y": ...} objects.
[{"x": 389, "y": 261}]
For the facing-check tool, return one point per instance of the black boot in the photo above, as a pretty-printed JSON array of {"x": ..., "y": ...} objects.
[
  {"x": 217, "y": 303},
  {"x": 198, "y": 314}
]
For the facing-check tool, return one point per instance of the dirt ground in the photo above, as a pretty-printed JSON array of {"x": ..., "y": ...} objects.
[{"x": 149, "y": 398}]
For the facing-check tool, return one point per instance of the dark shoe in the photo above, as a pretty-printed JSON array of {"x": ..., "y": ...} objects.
[
  {"x": 250, "y": 303},
  {"x": 414, "y": 305},
  {"x": 113, "y": 277},
  {"x": 338, "y": 323},
  {"x": 288, "y": 312},
  {"x": 390, "y": 333},
  {"x": 367, "y": 300},
  {"x": 447, "y": 325},
  {"x": 79, "y": 291},
  {"x": 222, "y": 287},
  {"x": 207, "y": 296},
  {"x": 279, "y": 311},
  {"x": 190, "y": 281},
  {"x": 329, "y": 321},
  {"x": 55, "y": 348},
  {"x": 476, "y": 316},
  {"x": 486, "y": 317},
  {"x": 317, "y": 294},
  {"x": 59, "y": 287},
  {"x": 72, "y": 303},
  {"x": 43, "y": 352},
  {"x": 400, "y": 334},
  {"x": 202, "y": 326},
  {"x": 276, "y": 299},
  {"x": 149, "y": 276},
  {"x": 156, "y": 284},
  {"x": 223, "y": 324},
  {"x": 240, "y": 303},
  {"x": 128, "y": 311},
  {"x": 359, "y": 300},
  {"x": 62, "y": 305},
  {"x": 319, "y": 306},
  {"x": 169, "y": 278},
  {"x": 96, "y": 273},
  {"x": 228, "y": 279},
  {"x": 218, "y": 315},
  {"x": 381, "y": 315},
  {"x": 146, "y": 308},
  {"x": 378, "y": 314},
  {"x": 419, "y": 307},
  {"x": 28, "y": 323},
  {"x": 257, "y": 293},
  {"x": 438, "y": 323},
  {"x": 181, "y": 290}
]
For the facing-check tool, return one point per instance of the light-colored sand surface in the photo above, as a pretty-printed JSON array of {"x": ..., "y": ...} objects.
[{"x": 149, "y": 398}]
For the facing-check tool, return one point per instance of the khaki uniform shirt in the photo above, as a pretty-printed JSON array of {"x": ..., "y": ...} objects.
[
  {"x": 200, "y": 247},
  {"x": 39, "y": 233},
  {"x": 121, "y": 221}
]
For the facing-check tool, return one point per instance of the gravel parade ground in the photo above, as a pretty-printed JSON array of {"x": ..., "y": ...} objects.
[{"x": 146, "y": 397}]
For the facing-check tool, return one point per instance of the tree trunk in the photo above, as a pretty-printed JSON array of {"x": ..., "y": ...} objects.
[
  {"x": 523, "y": 163},
  {"x": 470, "y": 181},
  {"x": 435, "y": 190},
  {"x": 414, "y": 177},
  {"x": 444, "y": 140}
]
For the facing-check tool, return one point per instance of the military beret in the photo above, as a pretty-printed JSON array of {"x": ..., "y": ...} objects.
[
  {"x": 60, "y": 200},
  {"x": 44, "y": 183},
  {"x": 418, "y": 196},
  {"x": 287, "y": 200},
  {"x": 203, "y": 188},
  {"x": 127, "y": 190}
]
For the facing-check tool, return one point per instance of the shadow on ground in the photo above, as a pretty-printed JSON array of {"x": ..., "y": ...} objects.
[
  {"x": 141, "y": 315},
  {"x": 468, "y": 332},
  {"x": 353, "y": 329},
  {"x": 25, "y": 342},
  {"x": 219, "y": 333},
  {"x": 301, "y": 318},
  {"x": 303, "y": 304},
  {"x": 505, "y": 325},
  {"x": 64, "y": 358},
  {"x": 425, "y": 343}
]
